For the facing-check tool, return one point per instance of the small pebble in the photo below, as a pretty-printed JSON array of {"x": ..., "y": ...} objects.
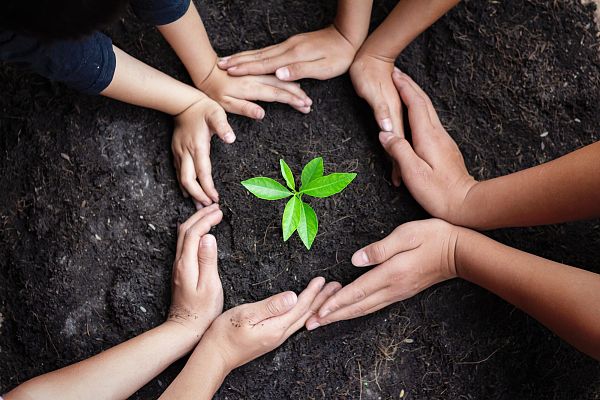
[{"x": 143, "y": 309}]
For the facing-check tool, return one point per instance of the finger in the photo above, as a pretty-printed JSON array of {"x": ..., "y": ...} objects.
[
  {"x": 298, "y": 315},
  {"x": 404, "y": 238},
  {"x": 204, "y": 173},
  {"x": 418, "y": 109},
  {"x": 274, "y": 306},
  {"x": 245, "y": 108},
  {"x": 292, "y": 87},
  {"x": 254, "y": 62},
  {"x": 432, "y": 113},
  {"x": 326, "y": 292},
  {"x": 193, "y": 234},
  {"x": 207, "y": 258},
  {"x": 369, "y": 305},
  {"x": 403, "y": 155},
  {"x": 217, "y": 123},
  {"x": 188, "y": 180},
  {"x": 182, "y": 228},
  {"x": 270, "y": 93},
  {"x": 314, "y": 69}
]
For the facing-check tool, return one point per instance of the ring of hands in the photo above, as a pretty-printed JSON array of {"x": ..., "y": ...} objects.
[
  {"x": 413, "y": 257},
  {"x": 197, "y": 294},
  {"x": 248, "y": 331},
  {"x": 433, "y": 169},
  {"x": 322, "y": 54},
  {"x": 236, "y": 93}
]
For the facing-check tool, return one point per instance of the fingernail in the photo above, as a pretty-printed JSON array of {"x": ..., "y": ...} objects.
[
  {"x": 198, "y": 205},
  {"x": 312, "y": 326},
  {"x": 229, "y": 137},
  {"x": 305, "y": 110},
  {"x": 386, "y": 125},
  {"x": 360, "y": 258},
  {"x": 232, "y": 68},
  {"x": 308, "y": 101},
  {"x": 385, "y": 137},
  {"x": 223, "y": 60},
  {"x": 208, "y": 240},
  {"x": 289, "y": 299},
  {"x": 259, "y": 113},
  {"x": 283, "y": 73},
  {"x": 215, "y": 200},
  {"x": 206, "y": 203},
  {"x": 324, "y": 314},
  {"x": 397, "y": 71}
]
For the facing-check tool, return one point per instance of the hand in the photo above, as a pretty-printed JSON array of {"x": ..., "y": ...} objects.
[
  {"x": 233, "y": 93},
  {"x": 414, "y": 257},
  {"x": 434, "y": 172},
  {"x": 197, "y": 294},
  {"x": 251, "y": 330},
  {"x": 322, "y": 54},
  {"x": 372, "y": 79},
  {"x": 191, "y": 148}
]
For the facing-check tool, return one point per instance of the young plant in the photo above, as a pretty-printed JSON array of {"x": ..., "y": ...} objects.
[{"x": 297, "y": 214}]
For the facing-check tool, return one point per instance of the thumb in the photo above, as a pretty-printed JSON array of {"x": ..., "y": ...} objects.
[
  {"x": 401, "y": 151},
  {"x": 217, "y": 122},
  {"x": 207, "y": 258},
  {"x": 273, "y": 307}
]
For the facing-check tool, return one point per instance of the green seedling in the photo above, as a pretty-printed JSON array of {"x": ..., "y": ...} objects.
[{"x": 297, "y": 214}]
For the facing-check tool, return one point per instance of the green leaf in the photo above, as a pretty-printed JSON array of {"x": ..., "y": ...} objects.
[
  {"x": 308, "y": 225},
  {"x": 328, "y": 185},
  {"x": 287, "y": 175},
  {"x": 266, "y": 188},
  {"x": 291, "y": 217},
  {"x": 313, "y": 170}
]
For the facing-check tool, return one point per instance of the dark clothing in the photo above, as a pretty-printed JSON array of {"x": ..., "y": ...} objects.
[{"x": 88, "y": 65}]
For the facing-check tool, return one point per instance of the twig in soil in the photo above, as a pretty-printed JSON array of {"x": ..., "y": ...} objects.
[
  {"x": 485, "y": 359},
  {"x": 270, "y": 279},
  {"x": 360, "y": 378}
]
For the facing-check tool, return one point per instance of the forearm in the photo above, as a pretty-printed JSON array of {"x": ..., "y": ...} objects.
[
  {"x": 201, "y": 377},
  {"x": 406, "y": 21},
  {"x": 352, "y": 20},
  {"x": 563, "y": 298},
  {"x": 137, "y": 83},
  {"x": 188, "y": 38},
  {"x": 566, "y": 189},
  {"x": 116, "y": 373}
]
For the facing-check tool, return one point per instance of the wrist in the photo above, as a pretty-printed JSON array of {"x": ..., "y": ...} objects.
[
  {"x": 183, "y": 335},
  {"x": 355, "y": 39}
]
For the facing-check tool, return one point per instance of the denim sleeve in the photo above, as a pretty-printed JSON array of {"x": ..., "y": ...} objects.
[
  {"x": 87, "y": 65},
  {"x": 160, "y": 12}
]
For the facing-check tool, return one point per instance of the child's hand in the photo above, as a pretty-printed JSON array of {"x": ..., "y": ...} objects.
[
  {"x": 233, "y": 93},
  {"x": 191, "y": 148},
  {"x": 414, "y": 257},
  {"x": 197, "y": 294},
  {"x": 251, "y": 330},
  {"x": 322, "y": 54},
  {"x": 372, "y": 79},
  {"x": 434, "y": 172}
]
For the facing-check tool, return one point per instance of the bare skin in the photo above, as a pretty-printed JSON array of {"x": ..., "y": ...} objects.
[
  {"x": 196, "y": 288},
  {"x": 422, "y": 253}
]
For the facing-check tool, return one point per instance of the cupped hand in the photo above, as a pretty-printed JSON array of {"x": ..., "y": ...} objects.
[
  {"x": 191, "y": 148},
  {"x": 235, "y": 93},
  {"x": 372, "y": 79},
  {"x": 413, "y": 257},
  {"x": 433, "y": 169},
  {"x": 197, "y": 294},
  {"x": 251, "y": 330},
  {"x": 322, "y": 54}
]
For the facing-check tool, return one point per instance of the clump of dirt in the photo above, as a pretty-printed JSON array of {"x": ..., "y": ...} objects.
[{"x": 90, "y": 207}]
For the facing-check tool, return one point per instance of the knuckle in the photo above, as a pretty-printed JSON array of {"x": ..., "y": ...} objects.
[
  {"x": 266, "y": 61},
  {"x": 248, "y": 109},
  {"x": 295, "y": 70},
  {"x": 358, "y": 294},
  {"x": 357, "y": 311},
  {"x": 382, "y": 108},
  {"x": 379, "y": 252},
  {"x": 274, "y": 306}
]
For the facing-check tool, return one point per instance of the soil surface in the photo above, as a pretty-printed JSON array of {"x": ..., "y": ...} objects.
[{"x": 89, "y": 206}]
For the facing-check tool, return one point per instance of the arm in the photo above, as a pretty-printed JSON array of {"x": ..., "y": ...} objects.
[
  {"x": 196, "y": 118},
  {"x": 322, "y": 54},
  {"x": 243, "y": 334},
  {"x": 117, "y": 373},
  {"x": 188, "y": 38},
  {"x": 433, "y": 169},
  {"x": 419, "y": 254}
]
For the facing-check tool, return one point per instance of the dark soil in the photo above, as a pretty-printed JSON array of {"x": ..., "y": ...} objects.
[{"x": 90, "y": 203}]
